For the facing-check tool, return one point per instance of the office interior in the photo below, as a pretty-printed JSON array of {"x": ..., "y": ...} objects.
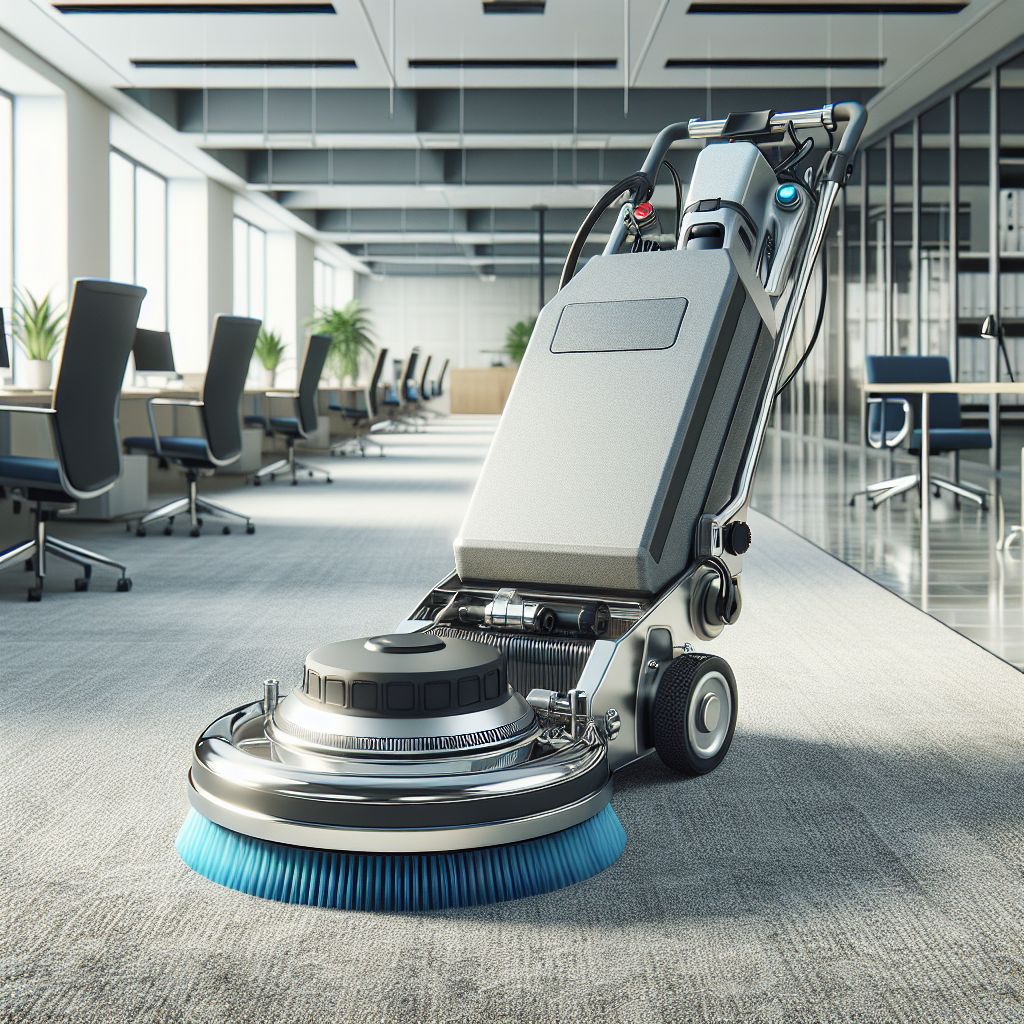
[{"x": 187, "y": 185}]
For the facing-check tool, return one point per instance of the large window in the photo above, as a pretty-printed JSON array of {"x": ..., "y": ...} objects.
[
  {"x": 6, "y": 219},
  {"x": 323, "y": 285},
  {"x": 250, "y": 270},
  {"x": 138, "y": 235}
]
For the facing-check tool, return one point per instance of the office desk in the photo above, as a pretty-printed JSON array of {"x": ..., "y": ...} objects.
[{"x": 926, "y": 391}]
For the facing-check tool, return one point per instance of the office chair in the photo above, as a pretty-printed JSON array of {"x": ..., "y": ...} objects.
[
  {"x": 437, "y": 389},
  {"x": 891, "y": 421},
  {"x": 304, "y": 422},
  {"x": 83, "y": 428},
  {"x": 396, "y": 404},
  {"x": 362, "y": 420},
  {"x": 5, "y": 356},
  {"x": 220, "y": 409}
]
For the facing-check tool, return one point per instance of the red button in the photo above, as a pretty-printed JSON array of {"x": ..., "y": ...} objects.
[{"x": 643, "y": 211}]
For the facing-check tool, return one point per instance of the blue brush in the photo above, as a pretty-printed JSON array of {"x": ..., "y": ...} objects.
[{"x": 397, "y": 882}]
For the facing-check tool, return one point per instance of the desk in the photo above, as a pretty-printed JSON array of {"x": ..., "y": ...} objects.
[{"x": 926, "y": 391}]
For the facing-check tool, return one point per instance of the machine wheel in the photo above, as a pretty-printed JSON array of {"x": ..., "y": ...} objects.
[
  {"x": 140, "y": 531},
  {"x": 81, "y": 584},
  {"x": 35, "y": 593},
  {"x": 194, "y": 532},
  {"x": 227, "y": 529},
  {"x": 695, "y": 713},
  {"x": 250, "y": 528},
  {"x": 124, "y": 584}
]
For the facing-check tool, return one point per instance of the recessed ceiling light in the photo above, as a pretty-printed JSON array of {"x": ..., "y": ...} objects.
[
  {"x": 513, "y": 6},
  {"x": 195, "y": 7},
  {"x": 818, "y": 7},
  {"x": 777, "y": 62},
  {"x": 498, "y": 63},
  {"x": 165, "y": 63}
]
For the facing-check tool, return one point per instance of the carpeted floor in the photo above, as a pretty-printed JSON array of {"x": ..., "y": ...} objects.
[{"x": 858, "y": 857}]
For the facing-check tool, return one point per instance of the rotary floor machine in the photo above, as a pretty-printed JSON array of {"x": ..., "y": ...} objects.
[{"x": 468, "y": 756}]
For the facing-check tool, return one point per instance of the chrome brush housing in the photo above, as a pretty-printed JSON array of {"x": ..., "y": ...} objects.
[{"x": 403, "y": 743}]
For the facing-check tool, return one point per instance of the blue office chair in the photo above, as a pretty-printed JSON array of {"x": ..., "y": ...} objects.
[
  {"x": 891, "y": 419},
  {"x": 220, "y": 409},
  {"x": 304, "y": 422},
  {"x": 83, "y": 428},
  {"x": 362, "y": 420}
]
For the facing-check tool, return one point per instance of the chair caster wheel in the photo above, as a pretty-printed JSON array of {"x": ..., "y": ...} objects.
[
  {"x": 199, "y": 520},
  {"x": 28, "y": 565},
  {"x": 124, "y": 584},
  {"x": 81, "y": 585},
  {"x": 329, "y": 480},
  {"x": 35, "y": 593},
  {"x": 194, "y": 532},
  {"x": 140, "y": 531},
  {"x": 168, "y": 531},
  {"x": 250, "y": 528},
  {"x": 257, "y": 482},
  {"x": 295, "y": 483},
  {"x": 310, "y": 474},
  {"x": 226, "y": 530},
  {"x": 127, "y": 527}
]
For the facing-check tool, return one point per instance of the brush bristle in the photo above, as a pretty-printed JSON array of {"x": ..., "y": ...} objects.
[{"x": 397, "y": 882}]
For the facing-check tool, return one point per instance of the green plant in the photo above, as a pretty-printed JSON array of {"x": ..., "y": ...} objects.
[
  {"x": 351, "y": 336},
  {"x": 518, "y": 338},
  {"x": 38, "y": 325},
  {"x": 269, "y": 349}
]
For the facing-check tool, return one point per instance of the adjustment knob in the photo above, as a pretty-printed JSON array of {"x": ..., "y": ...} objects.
[{"x": 737, "y": 538}]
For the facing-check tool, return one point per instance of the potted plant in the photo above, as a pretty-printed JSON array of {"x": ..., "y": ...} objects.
[
  {"x": 350, "y": 333},
  {"x": 269, "y": 351},
  {"x": 38, "y": 327},
  {"x": 518, "y": 337}
]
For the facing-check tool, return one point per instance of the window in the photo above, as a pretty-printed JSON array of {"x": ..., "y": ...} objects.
[
  {"x": 138, "y": 235},
  {"x": 323, "y": 285},
  {"x": 6, "y": 216},
  {"x": 250, "y": 247}
]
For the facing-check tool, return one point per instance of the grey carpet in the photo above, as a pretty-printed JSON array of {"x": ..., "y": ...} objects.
[{"x": 858, "y": 857}]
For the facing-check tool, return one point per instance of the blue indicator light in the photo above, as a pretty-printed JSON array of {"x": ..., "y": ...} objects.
[{"x": 787, "y": 195}]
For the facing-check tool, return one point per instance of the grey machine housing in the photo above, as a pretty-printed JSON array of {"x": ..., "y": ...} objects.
[{"x": 632, "y": 410}]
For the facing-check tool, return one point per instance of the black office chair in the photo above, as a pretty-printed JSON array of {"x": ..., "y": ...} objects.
[
  {"x": 362, "y": 420},
  {"x": 83, "y": 428},
  {"x": 220, "y": 409},
  {"x": 397, "y": 405},
  {"x": 304, "y": 422},
  {"x": 891, "y": 420},
  {"x": 437, "y": 389}
]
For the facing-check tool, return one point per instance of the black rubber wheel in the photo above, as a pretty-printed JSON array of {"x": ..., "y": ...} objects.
[
  {"x": 35, "y": 593},
  {"x": 695, "y": 713},
  {"x": 249, "y": 528},
  {"x": 124, "y": 584},
  {"x": 329, "y": 480},
  {"x": 295, "y": 483},
  {"x": 81, "y": 584},
  {"x": 257, "y": 482},
  {"x": 140, "y": 531},
  {"x": 199, "y": 520},
  {"x": 227, "y": 529},
  {"x": 168, "y": 530},
  {"x": 194, "y": 532}
]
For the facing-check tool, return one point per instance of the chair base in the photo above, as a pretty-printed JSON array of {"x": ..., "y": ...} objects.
[
  {"x": 194, "y": 507},
  {"x": 357, "y": 443},
  {"x": 291, "y": 466},
  {"x": 886, "y": 489},
  {"x": 33, "y": 554}
]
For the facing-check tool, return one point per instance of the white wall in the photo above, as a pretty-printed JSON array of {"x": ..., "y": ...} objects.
[
  {"x": 289, "y": 298},
  {"x": 456, "y": 318}
]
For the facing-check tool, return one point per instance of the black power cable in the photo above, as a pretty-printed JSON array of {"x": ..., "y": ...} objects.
[
  {"x": 817, "y": 323},
  {"x": 643, "y": 190},
  {"x": 679, "y": 197}
]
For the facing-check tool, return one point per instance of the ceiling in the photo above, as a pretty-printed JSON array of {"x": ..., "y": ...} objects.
[{"x": 421, "y": 134}]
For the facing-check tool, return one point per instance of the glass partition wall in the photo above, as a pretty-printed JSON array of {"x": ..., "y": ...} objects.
[{"x": 906, "y": 277}]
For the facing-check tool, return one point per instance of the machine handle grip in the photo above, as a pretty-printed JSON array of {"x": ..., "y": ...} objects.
[
  {"x": 841, "y": 160},
  {"x": 658, "y": 152}
]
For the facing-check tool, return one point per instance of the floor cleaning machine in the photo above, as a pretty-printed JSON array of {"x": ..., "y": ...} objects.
[{"x": 468, "y": 756}]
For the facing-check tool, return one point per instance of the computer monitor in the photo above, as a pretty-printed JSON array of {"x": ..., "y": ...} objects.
[
  {"x": 153, "y": 353},
  {"x": 5, "y": 356}
]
